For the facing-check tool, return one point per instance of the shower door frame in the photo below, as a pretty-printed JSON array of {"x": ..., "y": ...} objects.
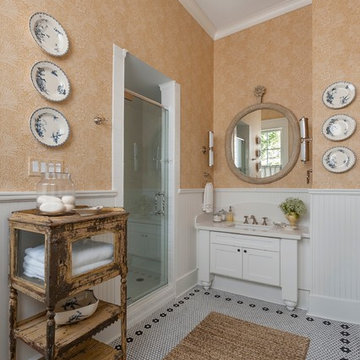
[
  {"x": 162, "y": 189},
  {"x": 170, "y": 99}
]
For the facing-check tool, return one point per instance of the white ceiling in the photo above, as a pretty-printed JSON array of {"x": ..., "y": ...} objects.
[{"x": 220, "y": 18}]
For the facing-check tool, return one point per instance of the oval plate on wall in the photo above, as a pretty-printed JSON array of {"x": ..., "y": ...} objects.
[
  {"x": 49, "y": 126},
  {"x": 339, "y": 127},
  {"x": 339, "y": 95},
  {"x": 50, "y": 81},
  {"x": 49, "y": 34},
  {"x": 339, "y": 159}
]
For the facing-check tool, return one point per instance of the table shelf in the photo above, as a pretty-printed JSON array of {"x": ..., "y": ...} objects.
[
  {"x": 91, "y": 350},
  {"x": 33, "y": 330}
]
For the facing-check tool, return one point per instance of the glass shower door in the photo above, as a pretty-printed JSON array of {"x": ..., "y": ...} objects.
[{"x": 146, "y": 195}]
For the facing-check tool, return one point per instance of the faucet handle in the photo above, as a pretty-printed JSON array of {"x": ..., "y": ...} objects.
[
  {"x": 264, "y": 220},
  {"x": 246, "y": 221},
  {"x": 253, "y": 219}
]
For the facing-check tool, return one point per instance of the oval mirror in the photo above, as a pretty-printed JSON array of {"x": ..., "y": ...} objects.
[{"x": 262, "y": 143}]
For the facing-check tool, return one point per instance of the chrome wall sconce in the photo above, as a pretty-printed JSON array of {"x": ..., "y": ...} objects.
[
  {"x": 304, "y": 140},
  {"x": 210, "y": 148}
]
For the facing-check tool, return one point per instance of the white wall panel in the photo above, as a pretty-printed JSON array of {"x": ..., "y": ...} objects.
[
  {"x": 189, "y": 205},
  {"x": 335, "y": 235}
]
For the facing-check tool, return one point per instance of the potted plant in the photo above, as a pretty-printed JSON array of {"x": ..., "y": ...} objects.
[{"x": 293, "y": 208}]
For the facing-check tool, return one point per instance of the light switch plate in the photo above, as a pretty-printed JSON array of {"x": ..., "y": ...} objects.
[{"x": 38, "y": 166}]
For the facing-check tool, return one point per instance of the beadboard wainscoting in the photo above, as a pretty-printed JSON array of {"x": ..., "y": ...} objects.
[
  {"x": 188, "y": 204},
  {"x": 335, "y": 235},
  {"x": 265, "y": 203}
]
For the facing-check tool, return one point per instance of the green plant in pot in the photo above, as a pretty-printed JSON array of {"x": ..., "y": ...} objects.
[{"x": 293, "y": 208}]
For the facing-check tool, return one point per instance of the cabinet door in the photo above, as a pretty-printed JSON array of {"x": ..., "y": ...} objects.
[
  {"x": 226, "y": 260},
  {"x": 261, "y": 266}
]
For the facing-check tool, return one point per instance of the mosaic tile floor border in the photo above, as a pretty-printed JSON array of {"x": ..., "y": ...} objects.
[{"x": 154, "y": 337}]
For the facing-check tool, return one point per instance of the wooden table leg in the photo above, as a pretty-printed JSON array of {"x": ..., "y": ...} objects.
[
  {"x": 12, "y": 322},
  {"x": 50, "y": 334}
]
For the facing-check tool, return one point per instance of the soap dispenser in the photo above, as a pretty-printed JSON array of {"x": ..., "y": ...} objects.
[{"x": 230, "y": 215}]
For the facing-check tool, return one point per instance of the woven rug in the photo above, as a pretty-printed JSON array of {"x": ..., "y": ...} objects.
[{"x": 221, "y": 337}]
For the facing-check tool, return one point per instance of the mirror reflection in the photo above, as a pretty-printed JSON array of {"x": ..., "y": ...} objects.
[{"x": 261, "y": 143}]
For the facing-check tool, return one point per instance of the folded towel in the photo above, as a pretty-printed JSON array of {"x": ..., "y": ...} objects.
[
  {"x": 34, "y": 271},
  {"x": 84, "y": 251},
  {"x": 208, "y": 203},
  {"x": 87, "y": 255}
]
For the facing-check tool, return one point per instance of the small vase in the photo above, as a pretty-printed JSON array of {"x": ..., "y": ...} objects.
[{"x": 292, "y": 218}]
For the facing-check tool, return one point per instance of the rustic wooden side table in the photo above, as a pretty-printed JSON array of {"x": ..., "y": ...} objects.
[{"x": 58, "y": 234}]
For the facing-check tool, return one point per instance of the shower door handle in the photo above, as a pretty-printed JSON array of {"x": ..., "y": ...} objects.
[{"x": 159, "y": 200}]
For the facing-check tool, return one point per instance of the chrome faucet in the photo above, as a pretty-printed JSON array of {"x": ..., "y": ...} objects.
[{"x": 252, "y": 217}]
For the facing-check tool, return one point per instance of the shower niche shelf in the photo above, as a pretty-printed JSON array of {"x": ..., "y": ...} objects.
[{"x": 58, "y": 234}]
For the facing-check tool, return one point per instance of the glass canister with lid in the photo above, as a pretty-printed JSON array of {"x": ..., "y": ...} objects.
[{"x": 55, "y": 193}]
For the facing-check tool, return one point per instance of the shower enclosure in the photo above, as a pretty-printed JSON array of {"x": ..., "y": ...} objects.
[{"x": 146, "y": 194}]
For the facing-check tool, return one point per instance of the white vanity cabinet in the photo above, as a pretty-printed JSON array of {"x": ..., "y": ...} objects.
[
  {"x": 266, "y": 256},
  {"x": 245, "y": 257}
]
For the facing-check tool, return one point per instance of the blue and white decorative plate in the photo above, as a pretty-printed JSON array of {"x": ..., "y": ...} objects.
[
  {"x": 339, "y": 95},
  {"x": 339, "y": 159},
  {"x": 49, "y": 126},
  {"x": 50, "y": 81},
  {"x": 339, "y": 127},
  {"x": 49, "y": 34}
]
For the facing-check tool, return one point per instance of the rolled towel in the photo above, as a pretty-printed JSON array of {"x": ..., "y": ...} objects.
[
  {"x": 208, "y": 204},
  {"x": 88, "y": 251},
  {"x": 84, "y": 251},
  {"x": 85, "y": 268},
  {"x": 31, "y": 269}
]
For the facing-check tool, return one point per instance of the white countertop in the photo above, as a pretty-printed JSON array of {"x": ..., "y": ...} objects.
[{"x": 204, "y": 222}]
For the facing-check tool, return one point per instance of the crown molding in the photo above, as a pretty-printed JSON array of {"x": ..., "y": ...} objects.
[
  {"x": 263, "y": 16},
  {"x": 195, "y": 11},
  {"x": 198, "y": 14}
]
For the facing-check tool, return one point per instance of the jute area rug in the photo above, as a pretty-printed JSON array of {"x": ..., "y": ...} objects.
[{"x": 221, "y": 337}]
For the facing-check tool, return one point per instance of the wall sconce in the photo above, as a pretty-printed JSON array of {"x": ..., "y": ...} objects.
[
  {"x": 211, "y": 148},
  {"x": 304, "y": 140}
]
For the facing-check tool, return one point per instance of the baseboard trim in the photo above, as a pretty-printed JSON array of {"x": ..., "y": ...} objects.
[
  {"x": 186, "y": 282},
  {"x": 335, "y": 308},
  {"x": 148, "y": 304}
]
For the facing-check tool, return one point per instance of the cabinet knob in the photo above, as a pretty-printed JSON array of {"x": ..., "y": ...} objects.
[
  {"x": 245, "y": 251},
  {"x": 238, "y": 250}
]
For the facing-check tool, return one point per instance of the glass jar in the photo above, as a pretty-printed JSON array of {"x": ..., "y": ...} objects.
[{"x": 55, "y": 193}]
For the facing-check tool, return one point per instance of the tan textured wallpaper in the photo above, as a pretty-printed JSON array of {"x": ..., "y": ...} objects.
[
  {"x": 159, "y": 32},
  {"x": 336, "y": 57},
  {"x": 277, "y": 55}
]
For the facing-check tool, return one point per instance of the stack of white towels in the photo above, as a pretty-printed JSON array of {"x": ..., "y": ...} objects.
[{"x": 87, "y": 255}]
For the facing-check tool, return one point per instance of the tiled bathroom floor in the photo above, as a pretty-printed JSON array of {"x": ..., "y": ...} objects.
[{"x": 154, "y": 337}]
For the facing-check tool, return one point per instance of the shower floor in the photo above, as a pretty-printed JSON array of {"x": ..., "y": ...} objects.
[{"x": 141, "y": 282}]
